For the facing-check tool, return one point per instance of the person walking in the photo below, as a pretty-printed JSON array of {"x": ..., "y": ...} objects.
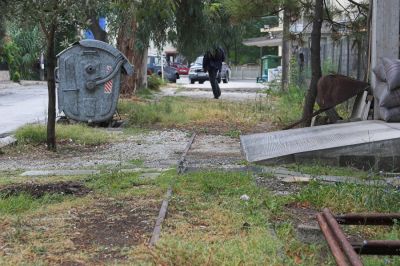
[{"x": 212, "y": 63}]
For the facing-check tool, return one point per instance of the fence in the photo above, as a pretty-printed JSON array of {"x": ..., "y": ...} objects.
[
  {"x": 245, "y": 72},
  {"x": 4, "y": 75},
  {"x": 346, "y": 56}
]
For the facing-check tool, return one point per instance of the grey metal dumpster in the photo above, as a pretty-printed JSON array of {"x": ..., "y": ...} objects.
[{"x": 89, "y": 76}]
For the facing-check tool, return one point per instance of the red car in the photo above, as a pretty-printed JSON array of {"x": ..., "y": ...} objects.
[{"x": 182, "y": 69}]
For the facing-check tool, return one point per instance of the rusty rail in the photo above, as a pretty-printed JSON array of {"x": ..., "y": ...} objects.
[
  {"x": 346, "y": 253},
  {"x": 342, "y": 249},
  {"x": 164, "y": 205},
  {"x": 368, "y": 218},
  {"x": 377, "y": 247},
  {"x": 337, "y": 253}
]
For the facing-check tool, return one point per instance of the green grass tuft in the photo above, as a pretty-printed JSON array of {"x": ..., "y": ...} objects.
[
  {"x": 318, "y": 169},
  {"x": 80, "y": 134},
  {"x": 116, "y": 183},
  {"x": 25, "y": 202},
  {"x": 351, "y": 197}
]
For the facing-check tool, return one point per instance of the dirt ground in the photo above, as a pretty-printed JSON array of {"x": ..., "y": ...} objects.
[
  {"x": 76, "y": 189},
  {"x": 114, "y": 225}
]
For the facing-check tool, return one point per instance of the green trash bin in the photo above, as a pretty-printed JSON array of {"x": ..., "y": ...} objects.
[{"x": 267, "y": 62}]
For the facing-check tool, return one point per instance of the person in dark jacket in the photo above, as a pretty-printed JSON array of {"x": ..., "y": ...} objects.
[{"x": 212, "y": 63}]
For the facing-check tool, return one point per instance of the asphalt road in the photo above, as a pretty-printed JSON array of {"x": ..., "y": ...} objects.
[{"x": 20, "y": 105}]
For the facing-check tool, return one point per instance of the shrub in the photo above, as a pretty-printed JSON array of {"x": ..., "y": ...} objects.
[
  {"x": 154, "y": 82},
  {"x": 16, "y": 77}
]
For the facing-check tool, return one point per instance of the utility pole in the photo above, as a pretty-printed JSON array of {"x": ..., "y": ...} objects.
[{"x": 385, "y": 35}]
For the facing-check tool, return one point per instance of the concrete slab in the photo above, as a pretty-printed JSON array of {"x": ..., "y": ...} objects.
[
  {"x": 60, "y": 172},
  {"x": 149, "y": 175},
  {"x": 7, "y": 141},
  {"x": 370, "y": 143},
  {"x": 144, "y": 170}
]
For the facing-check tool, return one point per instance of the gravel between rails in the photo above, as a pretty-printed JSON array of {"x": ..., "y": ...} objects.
[{"x": 157, "y": 149}]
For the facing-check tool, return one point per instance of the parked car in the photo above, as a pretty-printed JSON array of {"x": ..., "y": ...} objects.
[
  {"x": 181, "y": 68},
  {"x": 196, "y": 72},
  {"x": 154, "y": 66}
]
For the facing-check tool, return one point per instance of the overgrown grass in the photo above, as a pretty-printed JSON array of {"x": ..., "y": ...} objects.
[
  {"x": 208, "y": 224},
  {"x": 116, "y": 183},
  {"x": 317, "y": 169},
  {"x": 351, "y": 197},
  {"x": 79, "y": 134},
  {"x": 25, "y": 202},
  {"x": 185, "y": 112},
  {"x": 287, "y": 106},
  {"x": 154, "y": 82}
]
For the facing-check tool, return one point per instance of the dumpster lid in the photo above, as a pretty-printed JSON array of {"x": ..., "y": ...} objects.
[{"x": 127, "y": 67}]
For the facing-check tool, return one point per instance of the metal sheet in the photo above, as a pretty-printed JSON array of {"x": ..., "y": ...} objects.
[{"x": 265, "y": 146}]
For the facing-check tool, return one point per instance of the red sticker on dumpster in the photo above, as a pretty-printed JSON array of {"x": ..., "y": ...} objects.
[{"x": 109, "y": 84}]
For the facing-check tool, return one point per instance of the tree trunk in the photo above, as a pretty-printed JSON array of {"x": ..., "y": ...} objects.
[
  {"x": 140, "y": 61},
  {"x": 2, "y": 31},
  {"x": 315, "y": 62},
  {"x": 51, "y": 86},
  {"x": 138, "y": 57},
  {"x": 285, "y": 51},
  {"x": 98, "y": 32}
]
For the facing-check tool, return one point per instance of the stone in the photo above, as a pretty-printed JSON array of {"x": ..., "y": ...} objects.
[
  {"x": 149, "y": 175},
  {"x": 7, "y": 141},
  {"x": 60, "y": 172},
  {"x": 310, "y": 234}
]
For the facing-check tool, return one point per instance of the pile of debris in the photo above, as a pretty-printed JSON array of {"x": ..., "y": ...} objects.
[{"x": 387, "y": 90}]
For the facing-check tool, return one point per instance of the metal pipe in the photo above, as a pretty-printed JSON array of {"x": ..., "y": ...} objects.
[
  {"x": 337, "y": 253},
  {"x": 377, "y": 247},
  {"x": 368, "y": 218},
  {"x": 344, "y": 244}
]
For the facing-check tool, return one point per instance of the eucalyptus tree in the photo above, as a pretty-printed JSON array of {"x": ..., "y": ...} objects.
[
  {"x": 3, "y": 8},
  {"x": 136, "y": 23}
]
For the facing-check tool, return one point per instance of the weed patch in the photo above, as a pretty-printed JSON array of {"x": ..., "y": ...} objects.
[
  {"x": 318, "y": 169},
  {"x": 116, "y": 183},
  {"x": 25, "y": 202},
  {"x": 211, "y": 116},
  {"x": 79, "y": 134},
  {"x": 343, "y": 198},
  {"x": 287, "y": 106},
  {"x": 208, "y": 223}
]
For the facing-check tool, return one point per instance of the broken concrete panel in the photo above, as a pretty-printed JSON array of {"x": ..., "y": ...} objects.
[
  {"x": 60, "y": 172},
  {"x": 390, "y": 163},
  {"x": 330, "y": 143},
  {"x": 364, "y": 162},
  {"x": 296, "y": 179}
]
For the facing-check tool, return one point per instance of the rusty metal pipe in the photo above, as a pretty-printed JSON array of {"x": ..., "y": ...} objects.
[
  {"x": 344, "y": 244},
  {"x": 337, "y": 253},
  {"x": 377, "y": 247},
  {"x": 368, "y": 218}
]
